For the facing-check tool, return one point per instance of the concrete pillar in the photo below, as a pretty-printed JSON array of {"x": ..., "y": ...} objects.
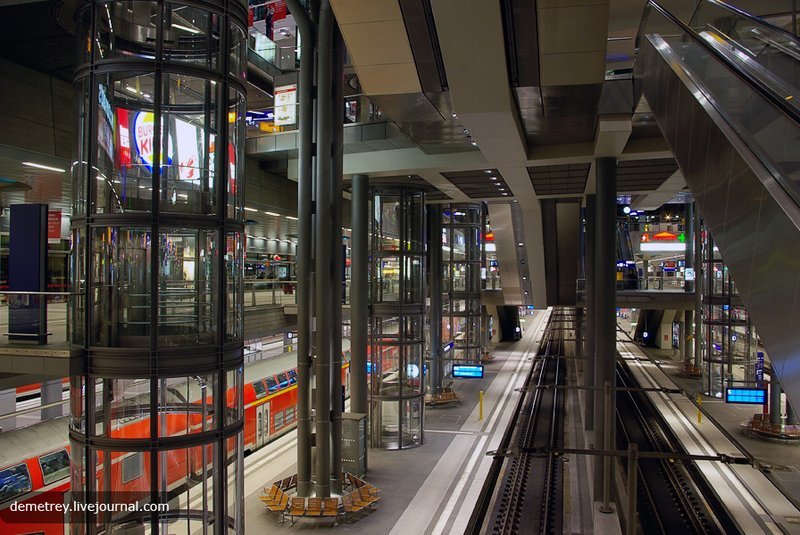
[
  {"x": 51, "y": 393},
  {"x": 605, "y": 307},
  {"x": 359, "y": 293},
  {"x": 590, "y": 308}
]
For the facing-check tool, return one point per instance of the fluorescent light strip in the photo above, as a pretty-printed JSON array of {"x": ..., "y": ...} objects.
[
  {"x": 46, "y": 167},
  {"x": 250, "y": 209},
  {"x": 273, "y": 214},
  {"x": 662, "y": 247},
  {"x": 186, "y": 28},
  {"x": 292, "y": 218}
]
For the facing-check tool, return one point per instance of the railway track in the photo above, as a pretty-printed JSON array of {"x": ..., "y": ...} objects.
[
  {"x": 529, "y": 494},
  {"x": 670, "y": 496}
]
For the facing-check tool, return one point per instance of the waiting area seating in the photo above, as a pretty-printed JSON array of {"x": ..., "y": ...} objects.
[
  {"x": 448, "y": 395},
  {"x": 357, "y": 495},
  {"x": 760, "y": 425}
]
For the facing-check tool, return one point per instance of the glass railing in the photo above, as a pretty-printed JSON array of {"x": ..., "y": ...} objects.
[
  {"x": 19, "y": 316},
  {"x": 650, "y": 284},
  {"x": 259, "y": 292},
  {"x": 761, "y": 116}
]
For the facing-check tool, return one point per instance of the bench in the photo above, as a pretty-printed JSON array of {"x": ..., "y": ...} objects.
[
  {"x": 269, "y": 496},
  {"x": 314, "y": 507},
  {"x": 330, "y": 508},
  {"x": 297, "y": 508},
  {"x": 448, "y": 395},
  {"x": 350, "y": 506},
  {"x": 367, "y": 496}
]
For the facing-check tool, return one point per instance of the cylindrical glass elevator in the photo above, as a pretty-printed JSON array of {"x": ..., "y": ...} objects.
[
  {"x": 157, "y": 228},
  {"x": 397, "y": 318},
  {"x": 462, "y": 258}
]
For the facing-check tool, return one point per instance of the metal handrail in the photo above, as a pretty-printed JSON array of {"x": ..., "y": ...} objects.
[
  {"x": 748, "y": 16},
  {"x": 757, "y": 85}
]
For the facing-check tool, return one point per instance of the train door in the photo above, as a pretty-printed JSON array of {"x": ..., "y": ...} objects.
[{"x": 262, "y": 424}]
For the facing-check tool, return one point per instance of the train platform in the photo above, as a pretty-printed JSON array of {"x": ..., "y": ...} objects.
[
  {"x": 430, "y": 489},
  {"x": 780, "y": 460},
  {"x": 758, "y": 500}
]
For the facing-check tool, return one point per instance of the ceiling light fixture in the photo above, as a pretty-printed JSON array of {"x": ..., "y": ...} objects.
[
  {"x": 273, "y": 214},
  {"x": 291, "y": 218},
  {"x": 250, "y": 209},
  {"x": 186, "y": 28},
  {"x": 45, "y": 167}
]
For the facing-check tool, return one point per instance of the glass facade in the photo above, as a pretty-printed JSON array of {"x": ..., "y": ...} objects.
[
  {"x": 462, "y": 259},
  {"x": 157, "y": 226},
  {"x": 397, "y": 320},
  {"x": 729, "y": 338}
]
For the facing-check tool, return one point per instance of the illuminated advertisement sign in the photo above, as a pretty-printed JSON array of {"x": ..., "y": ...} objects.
[
  {"x": 286, "y": 105},
  {"x": 143, "y": 140}
]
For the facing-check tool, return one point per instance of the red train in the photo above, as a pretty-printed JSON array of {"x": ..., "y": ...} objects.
[{"x": 270, "y": 399}]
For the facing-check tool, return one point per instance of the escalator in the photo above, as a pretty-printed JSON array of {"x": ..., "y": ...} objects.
[{"x": 723, "y": 89}]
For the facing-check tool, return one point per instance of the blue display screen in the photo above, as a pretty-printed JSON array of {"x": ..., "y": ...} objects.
[
  {"x": 750, "y": 396},
  {"x": 468, "y": 371}
]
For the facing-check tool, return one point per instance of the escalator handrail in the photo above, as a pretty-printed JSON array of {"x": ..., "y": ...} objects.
[
  {"x": 751, "y": 18},
  {"x": 757, "y": 85}
]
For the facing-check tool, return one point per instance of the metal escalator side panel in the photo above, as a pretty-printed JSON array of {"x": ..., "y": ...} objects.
[{"x": 755, "y": 223}]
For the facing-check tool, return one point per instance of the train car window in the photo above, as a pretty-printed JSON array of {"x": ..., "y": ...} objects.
[
  {"x": 132, "y": 467},
  {"x": 272, "y": 384},
  {"x": 292, "y": 376},
  {"x": 278, "y": 420},
  {"x": 55, "y": 466},
  {"x": 260, "y": 389},
  {"x": 14, "y": 481},
  {"x": 289, "y": 415},
  {"x": 283, "y": 381}
]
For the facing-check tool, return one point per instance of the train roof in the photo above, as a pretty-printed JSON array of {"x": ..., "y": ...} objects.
[
  {"x": 274, "y": 365},
  {"x": 51, "y": 435},
  {"x": 33, "y": 441}
]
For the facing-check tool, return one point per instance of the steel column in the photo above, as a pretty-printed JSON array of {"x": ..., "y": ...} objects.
[
  {"x": 588, "y": 374},
  {"x": 324, "y": 236},
  {"x": 698, "y": 288},
  {"x": 305, "y": 184},
  {"x": 435, "y": 294},
  {"x": 775, "y": 402},
  {"x": 337, "y": 257},
  {"x": 605, "y": 303},
  {"x": 359, "y": 293}
]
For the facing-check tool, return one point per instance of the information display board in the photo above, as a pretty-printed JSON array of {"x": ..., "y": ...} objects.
[
  {"x": 468, "y": 371},
  {"x": 746, "y": 395}
]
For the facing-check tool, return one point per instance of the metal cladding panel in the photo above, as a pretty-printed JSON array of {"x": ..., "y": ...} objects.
[
  {"x": 27, "y": 254},
  {"x": 753, "y": 221}
]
